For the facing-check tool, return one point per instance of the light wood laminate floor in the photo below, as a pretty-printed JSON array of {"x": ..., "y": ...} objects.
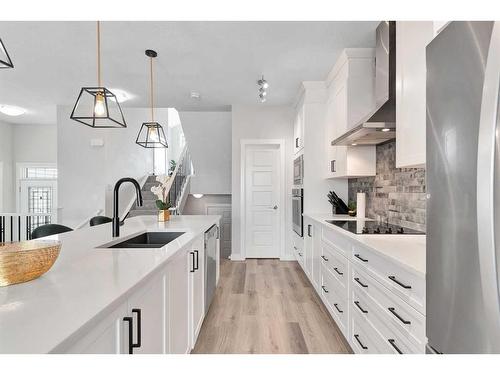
[{"x": 267, "y": 306}]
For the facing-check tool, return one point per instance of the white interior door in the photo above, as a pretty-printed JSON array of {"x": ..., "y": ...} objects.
[{"x": 262, "y": 201}]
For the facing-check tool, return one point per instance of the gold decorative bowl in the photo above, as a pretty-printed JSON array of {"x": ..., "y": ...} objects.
[{"x": 25, "y": 261}]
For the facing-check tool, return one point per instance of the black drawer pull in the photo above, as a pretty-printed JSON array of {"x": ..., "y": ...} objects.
[
  {"x": 360, "y": 308},
  {"x": 324, "y": 258},
  {"x": 296, "y": 143},
  {"x": 324, "y": 289},
  {"x": 393, "y": 344},
  {"x": 393, "y": 311},
  {"x": 309, "y": 230},
  {"x": 129, "y": 320},
  {"x": 361, "y": 259},
  {"x": 337, "y": 270},
  {"x": 300, "y": 254},
  {"x": 337, "y": 307},
  {"x": 360, "y": 343},
  {"x": 139, "y": 331},
  {"x": 393, "y": 278},
  {"x": 197, "y": 267},
  {"x": 360, "y": 283}
]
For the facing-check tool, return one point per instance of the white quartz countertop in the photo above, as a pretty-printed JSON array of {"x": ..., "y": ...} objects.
[
  {"x": 86, "y": 281},
  {"x": 405, "y": 249}
]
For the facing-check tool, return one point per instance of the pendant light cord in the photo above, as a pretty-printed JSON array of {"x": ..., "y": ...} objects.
[
  {"x": 151, "y": 85},
  {"x": 98, "y": 54}
]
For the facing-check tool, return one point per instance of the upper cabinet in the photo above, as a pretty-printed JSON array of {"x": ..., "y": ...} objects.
[
  {"x": 411, "y": 41},
  {"x": 350, "y": 98},
  {"x": 298, "y": 129}
]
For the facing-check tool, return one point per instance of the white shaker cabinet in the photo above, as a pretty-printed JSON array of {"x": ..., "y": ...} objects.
[
  {"x": 197, "y": 290},
  {"x": 411, "y": 74},
  {"x": 350, "y": 98},
  {"x": 145, "y": 324},
  {"x": 298, "y": 130},
  {"x": 177, "y": 298}
]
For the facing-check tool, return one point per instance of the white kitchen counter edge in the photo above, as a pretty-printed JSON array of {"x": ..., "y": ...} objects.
[{"x": 416, "y": 241}]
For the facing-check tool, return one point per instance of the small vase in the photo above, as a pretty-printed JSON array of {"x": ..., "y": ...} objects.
[{"x": 163, "y": 215}]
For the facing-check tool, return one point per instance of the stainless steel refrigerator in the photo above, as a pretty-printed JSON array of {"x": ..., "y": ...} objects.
[{"x": 463, "y": 183}]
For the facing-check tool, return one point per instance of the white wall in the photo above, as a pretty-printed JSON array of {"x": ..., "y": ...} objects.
[
  {"x": 198, "y": 206},
  {"x": 86, "y": 173},
  {"x": 35, "y": 143},
  {"x": 7, "y": 203},
  {"x": 261, "y": 122},
  {"x": 208, "y": 135}
]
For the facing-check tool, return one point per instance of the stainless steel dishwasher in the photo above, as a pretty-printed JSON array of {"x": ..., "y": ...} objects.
[{"x": 211, "y": 236}]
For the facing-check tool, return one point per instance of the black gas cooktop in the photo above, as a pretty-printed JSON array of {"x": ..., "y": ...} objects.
[{"x": 372, "y": 227}]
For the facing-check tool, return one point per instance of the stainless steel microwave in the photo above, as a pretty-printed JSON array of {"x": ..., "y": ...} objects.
[{"x": 298, "y": 170}]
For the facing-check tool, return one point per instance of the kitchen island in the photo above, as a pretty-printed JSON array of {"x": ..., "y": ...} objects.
[{"x": 112, "y": 300}]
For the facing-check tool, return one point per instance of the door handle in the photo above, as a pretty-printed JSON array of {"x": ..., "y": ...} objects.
[
  {"x": 324, "y": 289},
  {"x": 129, "y": 320},
  {"x": 324, "y": 258},
  {"x": 274, "y": 207},
  {"x": 393, "y": 344},
  {"x": 337, "y": 270},
  {"x": 337, "y": 307},
  {"x": 360, "y": 283},
  {"x": 197, "y": 260},
  {"x": 139, "y": 331},
  {"x": 296, "y": 142},
  {"x": 393, "y": 311},
  {"x": 332, "y": 166},
  {"x": 360, "y": 258},
  {"x": 309, "y": 230}
]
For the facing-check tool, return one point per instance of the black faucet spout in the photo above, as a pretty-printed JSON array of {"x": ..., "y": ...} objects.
[{"x": 116, "y": 218}]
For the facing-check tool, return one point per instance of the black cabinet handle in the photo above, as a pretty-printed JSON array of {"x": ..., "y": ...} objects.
[
  {"x": 129, "y": 320},
  {"x": 393, "y": 344},
  {"x": 197, "y": 267},
  {"x": 309, "y": 230},
  {"x": 360, "y": 283},
  {"x": 139, "y": 332},
  {"x": 324, "y": 289},
  {"x": 324, "y": 258},
  {"x": 337, "y": 270},
  {"x": 300, "y": 254},
  {"x": 393, "y": 311},
  {"x": 337, "y": 307},
  {"x": 192, "y": 261},
  {"x": 393, "y": 278},
  {"x": 360, "y": 308},
  {"x": 360, "y": 343},
  {"x": 297, "y": 142},
  {"x": 332, "y": 166},
  {"x": 361, "y": 259}
]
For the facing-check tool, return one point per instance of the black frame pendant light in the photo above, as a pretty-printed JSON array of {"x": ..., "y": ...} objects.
[
  {"x": 5, "y": 61},
  {"x": 151, "y": 134},
  {"x": 98, "y": 107}
]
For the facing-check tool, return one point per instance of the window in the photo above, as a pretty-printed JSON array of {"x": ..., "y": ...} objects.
[{"x": 46, "y": 173}]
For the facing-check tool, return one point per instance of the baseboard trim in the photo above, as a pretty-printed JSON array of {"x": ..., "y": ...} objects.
[
  {"x": 287, "y": 257},
  {"x": 236, "y": 257}
]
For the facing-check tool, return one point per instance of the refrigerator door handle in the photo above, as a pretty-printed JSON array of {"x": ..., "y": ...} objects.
[{"x": 486, "y": 164}]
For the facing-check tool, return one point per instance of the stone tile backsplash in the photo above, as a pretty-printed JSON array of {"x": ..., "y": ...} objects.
[{"x": 396, "y": 194}]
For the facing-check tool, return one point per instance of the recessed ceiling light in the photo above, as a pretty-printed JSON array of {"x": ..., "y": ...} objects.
[
  {"x": 354, "y": 144},
  {"x": 386, "y": 129},
  {"x": 198, "y": 196},
  {"x": 121, "y": 95},
  {"x": 11, "y": 110},
  {"x": 195, "y": 95}
]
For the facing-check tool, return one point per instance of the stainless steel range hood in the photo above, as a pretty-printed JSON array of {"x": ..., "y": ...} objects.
[{"x": 380, "y": 124}]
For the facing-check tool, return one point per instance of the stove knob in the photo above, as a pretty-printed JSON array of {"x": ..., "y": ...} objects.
[
  {"x": 377, "y": 231},
  {"x": 401, "y": 230},
  {"x": 388, "y": 231}
]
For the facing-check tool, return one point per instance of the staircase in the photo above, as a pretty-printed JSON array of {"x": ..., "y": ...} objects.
[{"x": 178, "y": 190}]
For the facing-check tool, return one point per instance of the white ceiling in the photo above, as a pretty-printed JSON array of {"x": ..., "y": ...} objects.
[{"x": 221, "y": 60}]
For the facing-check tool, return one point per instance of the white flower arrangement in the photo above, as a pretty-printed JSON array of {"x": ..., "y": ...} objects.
[{"x": 161, "y": 192}]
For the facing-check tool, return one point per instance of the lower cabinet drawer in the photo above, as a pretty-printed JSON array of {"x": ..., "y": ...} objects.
[
  {"x": 364, "y": 338},
  {"x": 336, "y": 303},
  {"x": 336, "y": 263},
  {"x": 390, "y": 340},
  {"x": 405, "y": 284},
  {"x": 405, "y": 319}
]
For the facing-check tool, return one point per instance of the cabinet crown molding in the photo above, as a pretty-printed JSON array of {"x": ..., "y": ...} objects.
[{"x": 347, "y": 54}]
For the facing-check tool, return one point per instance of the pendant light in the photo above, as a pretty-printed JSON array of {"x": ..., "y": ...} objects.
[
  {"x": 5, "y": 61},
  {"x": 151, "y": 134},
  {"x": 98, "y": 107}
]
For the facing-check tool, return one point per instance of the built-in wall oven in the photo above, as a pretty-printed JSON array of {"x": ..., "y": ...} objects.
[
  {"x": 298, "y": 170},
  {"x": 297, "y": 207}
]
